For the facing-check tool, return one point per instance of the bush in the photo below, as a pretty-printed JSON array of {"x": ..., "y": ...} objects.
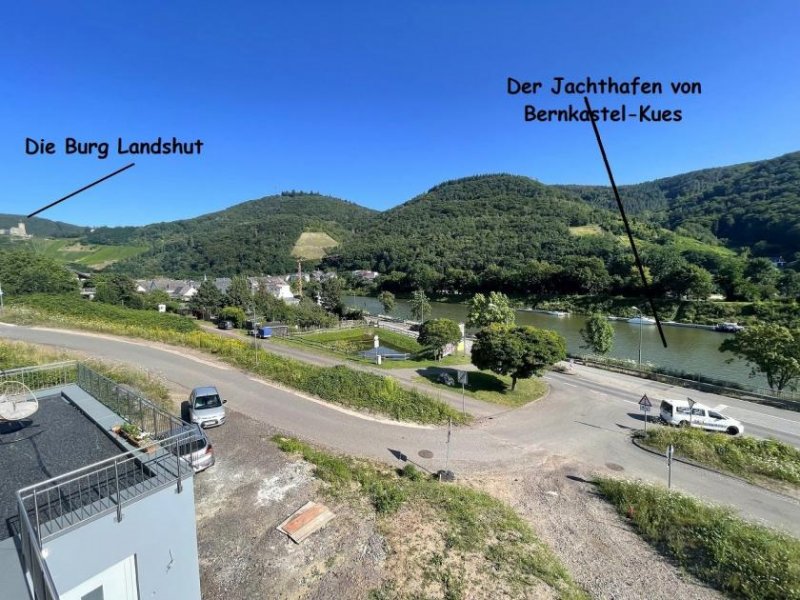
[
  {"x": 234, "y": 314},
  {"x": 411, "y": 472}
]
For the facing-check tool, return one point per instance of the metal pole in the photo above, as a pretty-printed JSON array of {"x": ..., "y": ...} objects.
[
  {"x": 447, "y": 456},
  {"x": 645, "y": 421},
  {"x": 1, "y": 298},
  {"x": 670, "y": 450},
  {"x": 463, "y": 402}
]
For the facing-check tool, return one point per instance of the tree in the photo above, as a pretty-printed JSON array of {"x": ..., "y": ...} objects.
[
  {"x": 519, "y": 352},
  {"x": 330, "y": 295},
  {"x": 117, "y": 289},
  {"x": 207, "y": 299},
  {"x": 234, "y": 314},
  {"x": 485, "y": 311},
  {"x": 438, "y": 333},
  {"x": 23, "y": 272},
  {"x": 239, "y": 293},
  {"x": 598, "y": 334},
  {"x": 773, "y": 350},
  {"x": 420, "y": 305},
  {"x": 387, "y": 300}
]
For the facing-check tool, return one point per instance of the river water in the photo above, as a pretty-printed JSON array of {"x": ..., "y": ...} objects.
[{"x": 688, "y": 349}]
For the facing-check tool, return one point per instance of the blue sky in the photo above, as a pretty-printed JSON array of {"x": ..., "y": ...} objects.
[{"x": 374, "y": 102}]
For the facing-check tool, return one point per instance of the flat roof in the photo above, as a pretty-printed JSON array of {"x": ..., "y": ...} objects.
[{"x": 57, "y": 439}]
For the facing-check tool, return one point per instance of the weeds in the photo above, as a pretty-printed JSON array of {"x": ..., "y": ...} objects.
[
  {"x": 470, "y": 526},
  {"x": 745, "y": 456},
  {"x": 739, "y": 558}
]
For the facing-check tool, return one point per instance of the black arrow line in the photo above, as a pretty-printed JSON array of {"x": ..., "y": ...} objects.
[
  {"x": 83, "y": 189},
  {"x": 625, "y": 221}
]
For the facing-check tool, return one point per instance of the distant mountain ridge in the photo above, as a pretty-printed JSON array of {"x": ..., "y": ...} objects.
[
  {"x": 42, "y": 227},
  {"x": 472, "y": 223}
]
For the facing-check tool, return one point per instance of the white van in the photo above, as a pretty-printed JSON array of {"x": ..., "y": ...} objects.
[{"x": 681, "y": 414}]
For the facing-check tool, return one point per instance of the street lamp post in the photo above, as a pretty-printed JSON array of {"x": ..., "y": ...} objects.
[{"x": 641, "y": 322}]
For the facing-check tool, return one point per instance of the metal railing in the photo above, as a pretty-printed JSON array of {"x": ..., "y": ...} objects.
[
  {"x": 128, "y": 404},
  {"x": 50, "y": 508},
  {"x": 44, "y": 376}
]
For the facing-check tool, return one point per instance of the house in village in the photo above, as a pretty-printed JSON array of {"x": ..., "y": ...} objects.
[{"x": 177, "y": 289}]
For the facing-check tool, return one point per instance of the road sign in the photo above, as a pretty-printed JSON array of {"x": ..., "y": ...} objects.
[
  {"x": 462, "y": 377},
  {"x": 644, "y": 404}
]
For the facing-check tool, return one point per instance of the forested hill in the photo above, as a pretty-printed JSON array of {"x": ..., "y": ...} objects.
[
  {"x": 476, "y": 225},
  {"x": 754, "y": 205},
  {"x": 252, "y": 237},
  {"x": 42, "y": 227}
]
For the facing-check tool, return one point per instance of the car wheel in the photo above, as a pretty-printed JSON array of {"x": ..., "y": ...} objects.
[
  {"x": 683, "y": 424},
  {"x": 733, "y": 431}
]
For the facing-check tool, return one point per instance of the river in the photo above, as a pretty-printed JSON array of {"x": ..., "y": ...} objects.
[{"x": 689, "y": 349}]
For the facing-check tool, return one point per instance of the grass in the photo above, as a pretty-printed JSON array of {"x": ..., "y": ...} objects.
[
  {"x": 345, "y": 343},
  {"x": 745, "y": 456},
  {"x": 313, "y": 245},
  {"x": 21, "y": 354},
  {"x": 446, "y": 541},
  {"x": 496, "y": 389},
  {"x": 341, "y": 385},
  {"x": 92, "y": 255},
  {"x": 739, "y": 558},
  {"x": 582, "y": 230}
]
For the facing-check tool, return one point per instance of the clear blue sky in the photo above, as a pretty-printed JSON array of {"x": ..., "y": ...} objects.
[{"x": 374, "y": 102}]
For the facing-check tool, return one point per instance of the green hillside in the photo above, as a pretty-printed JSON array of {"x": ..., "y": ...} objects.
[
  {"x": 42, "y": 227},
  {"x": 753, "y": 205},
  {"x": 252, "y": 237}
]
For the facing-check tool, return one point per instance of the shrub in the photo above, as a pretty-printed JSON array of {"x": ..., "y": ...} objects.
[{"x": 234, "y": 314}]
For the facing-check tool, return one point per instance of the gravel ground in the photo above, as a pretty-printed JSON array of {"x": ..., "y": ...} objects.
[
  {"x": 239, "y": 501},
  {"x": 601, "y": 551}
]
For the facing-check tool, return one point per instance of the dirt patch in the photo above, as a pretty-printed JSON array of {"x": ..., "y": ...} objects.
[
  {"x": 240, "y": 501},
  {"x": 602, "y": 552}
]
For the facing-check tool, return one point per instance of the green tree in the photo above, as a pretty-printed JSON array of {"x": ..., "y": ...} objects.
[
  {"x": 773, "y": 350},
  {"x": 420, "y": 305},
  {"x": 208, "y": 299},
  {"x": 234, "y": 314},
  {"x": 330, "y": 295},
  {"x": 598, "y": 334},
  {"x": 117, "y": 289},
  {"x": 438, "y": 333},
  {"x": 23, "y": 272},
  {"x": 239, "y": 293},
  {"x": 484, "y": 311},
  {"x": 519, "y": 352},
  {"x": 387, "y": 300}
]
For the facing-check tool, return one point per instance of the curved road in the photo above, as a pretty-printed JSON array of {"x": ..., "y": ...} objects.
[{"x": 587, "y": 416}]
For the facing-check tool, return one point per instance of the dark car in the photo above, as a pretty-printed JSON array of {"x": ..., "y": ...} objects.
[{"x": 225, "y": 324}]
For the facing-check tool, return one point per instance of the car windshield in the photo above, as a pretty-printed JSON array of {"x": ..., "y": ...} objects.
[
  {"x": 192, "y": 446},
  {"x": 210, "y": 401}
]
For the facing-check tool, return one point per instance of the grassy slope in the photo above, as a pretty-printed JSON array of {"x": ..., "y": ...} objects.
[
  {"x": 313, "y": 245},
  {"x": 459, "y": 543},
  {"x": 93, "y": 255},
  {"x": 355, "y": 389},
  {"x": 742, "y": 559},
  {"x": 745, "y": 456}
]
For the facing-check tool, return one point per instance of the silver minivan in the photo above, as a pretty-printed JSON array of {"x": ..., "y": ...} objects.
[{"x": 206, "y": 408}]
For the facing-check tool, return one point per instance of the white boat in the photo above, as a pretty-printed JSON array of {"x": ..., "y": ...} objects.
[
  {"x": 557, "y": 313},
  {"x": 642, "y": 321}
]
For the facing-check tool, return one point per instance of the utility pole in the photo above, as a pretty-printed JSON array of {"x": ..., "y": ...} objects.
[
  {"x": 641, "y": 319},
  {"x": 1, "y": 298},
  {"x": 300, "y": 277}
]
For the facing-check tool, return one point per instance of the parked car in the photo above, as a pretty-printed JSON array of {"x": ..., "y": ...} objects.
[
  {"x": 225, "y": 324},
  {"x": 682, "y": 414},
  {"x": 193, "y": 446},
  {"x": 206, "y": 408}
]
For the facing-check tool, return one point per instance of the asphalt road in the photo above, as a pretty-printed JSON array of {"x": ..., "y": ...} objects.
[{"x": 588, "y": 415}]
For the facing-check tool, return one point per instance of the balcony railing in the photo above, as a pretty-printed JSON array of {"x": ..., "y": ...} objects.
[{"x": 53, "y": 507}]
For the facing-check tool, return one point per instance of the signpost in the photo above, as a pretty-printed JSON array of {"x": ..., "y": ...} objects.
[
  {"x": 645, "y": 405},
  {"x": 670, "y": 452},
  {"x": 462, "y": 379}
]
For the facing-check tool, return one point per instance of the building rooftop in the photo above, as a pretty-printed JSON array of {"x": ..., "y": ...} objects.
[{"x": 57, "y": 439}]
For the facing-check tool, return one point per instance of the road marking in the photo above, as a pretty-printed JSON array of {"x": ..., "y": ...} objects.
[{"x": 569, "y": 384}]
